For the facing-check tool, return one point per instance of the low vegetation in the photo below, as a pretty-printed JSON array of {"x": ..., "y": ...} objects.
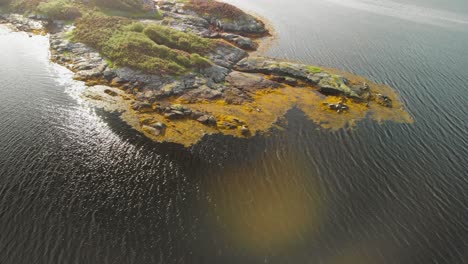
[
  {"x": 71, "y": 9},
  {"x": 107, "y": 26},
  {"x": 127, "y": 5},
  {"x": 176, "y": 39},
  {"x": 216, "y": 9},
  {"x": 128, "y": 43},
  {"x": 23, "y": 5},
  {"x": 59, "y": 9},
  {"x": 314, "y": 69}
]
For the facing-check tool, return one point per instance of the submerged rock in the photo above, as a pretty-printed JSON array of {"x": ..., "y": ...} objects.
[
  {"x": 339, "y": 107},
  {"x": 142, "y": 106},
  {"x": 207, "y": 120},
  {"x": 384, "y": 100},
  {"x": 245, "y": 131}
]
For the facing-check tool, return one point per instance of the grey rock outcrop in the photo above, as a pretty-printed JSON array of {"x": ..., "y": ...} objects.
[{"x": 290, "y": 73}]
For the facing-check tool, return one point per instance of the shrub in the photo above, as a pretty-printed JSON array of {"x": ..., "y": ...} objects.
[
  {"x": 216, "y": 9},
  {"x": 127, "y": 5},
  {"x": 120, "y": 40},
  {"x": 176, "y": 39},
  {"x": 25, "y": 5},
  {"x": 134, "y": 50},
  {"x": 314, "y": 69},
  {"x": 59, "y": 9},
  {"x": 199, "y": 61},
  {"x": 136, "y": 27},
  {"x": 95, "y": 30}
]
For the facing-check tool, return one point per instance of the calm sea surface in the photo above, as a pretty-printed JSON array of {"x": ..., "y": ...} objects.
[{"x": 78, "y": 185}]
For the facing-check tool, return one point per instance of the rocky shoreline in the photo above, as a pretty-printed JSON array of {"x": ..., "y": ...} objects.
[{"x": 239, "y": 94}]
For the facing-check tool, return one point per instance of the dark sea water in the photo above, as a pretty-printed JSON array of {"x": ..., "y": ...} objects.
[{"x": 78, "y": 185}]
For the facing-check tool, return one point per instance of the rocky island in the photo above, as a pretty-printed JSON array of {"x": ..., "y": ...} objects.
[{"x": 178, "y": 70}]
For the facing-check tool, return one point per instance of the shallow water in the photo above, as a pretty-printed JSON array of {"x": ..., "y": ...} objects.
[{"x": 77, "y": 185}]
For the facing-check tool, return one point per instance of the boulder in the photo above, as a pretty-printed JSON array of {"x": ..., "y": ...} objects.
[
  {"x": 240, "y": 41},
  {"x": 110, "y": 92},
  {"x": 202, "y": 93},
  {"x": 154, "y": 130},
  {"x": 384, "y": 100},
  {"x": 336, "y": 85},
  {"x": 142, "y": 107},
  {"x": 172, "y": 116},
  {"x": 250, "y": 82},
  {"x": 108, "y": 74},
  {"x": 339, "y": 107},
  {"x": 287, "y": 80},
  {"x": 243, "y": 25},
  {"x": 207, "y": 120},
  {"x": 88, "y": 74},
  {"x": 245, "y": 131},
  {"x": 216, "y": 73},
  {"x": 227, "y": 55}
]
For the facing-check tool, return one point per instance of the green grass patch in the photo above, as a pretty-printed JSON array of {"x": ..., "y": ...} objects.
[
  {"x": 59, "y": 9},
  {"x": 314, "y": 69},
  {"x": 110, "y": 27},
  {"x": 110, "y": 64},
  {"x": 135, "y": 14},
  {"x": 127, "y": 43},
  {"x": 176, "y": 39},
  {"x": 223, "y": 11},
  {"x": 71, "y": 9}
]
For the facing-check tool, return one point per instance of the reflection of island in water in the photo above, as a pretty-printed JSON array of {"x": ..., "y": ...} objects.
[{"x": 234, "y": 94}]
